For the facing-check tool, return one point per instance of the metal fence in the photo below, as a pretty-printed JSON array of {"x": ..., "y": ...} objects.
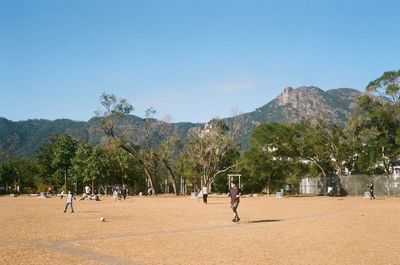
[{"x": 355, "y": 185}]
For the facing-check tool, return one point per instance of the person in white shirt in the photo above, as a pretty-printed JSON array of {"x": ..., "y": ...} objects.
[
  {"x": 115, "y": 195},
  {"x": 70, "y": 198},
  {"x": 205, "y": 194}
]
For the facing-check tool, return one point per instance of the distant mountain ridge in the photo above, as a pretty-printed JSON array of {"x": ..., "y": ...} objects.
[{"x": 291, "y": 106}]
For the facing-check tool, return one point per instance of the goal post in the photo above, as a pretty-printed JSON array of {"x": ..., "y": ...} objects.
[{"x": 231, "y": 177}]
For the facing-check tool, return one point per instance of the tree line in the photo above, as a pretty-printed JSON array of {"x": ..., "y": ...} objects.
[{"x": 278, "y": 154}]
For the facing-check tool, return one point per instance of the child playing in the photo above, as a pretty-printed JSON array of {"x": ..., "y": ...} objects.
[{"x": 70, "y": 197}]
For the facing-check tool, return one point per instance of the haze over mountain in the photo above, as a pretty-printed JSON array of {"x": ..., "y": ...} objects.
[{"x": 291, "y": 106}]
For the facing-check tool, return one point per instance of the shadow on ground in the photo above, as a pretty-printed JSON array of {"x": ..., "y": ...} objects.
[{"x": 265, "y": 221}]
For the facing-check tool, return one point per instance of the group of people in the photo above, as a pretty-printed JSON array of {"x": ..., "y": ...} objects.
[
  {"x": 88, "y": 195},
  {"x": 17, "y": 191},
  {"x": 234, "y": 194},
  {"x": 203, "y": 194},
  {"x": 119, "y": 192}
]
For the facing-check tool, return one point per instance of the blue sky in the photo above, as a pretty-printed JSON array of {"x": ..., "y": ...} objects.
[{"x": 190, "y": 60}]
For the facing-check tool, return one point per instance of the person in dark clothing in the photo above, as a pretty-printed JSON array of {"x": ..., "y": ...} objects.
[
  {"x": 371, "y": 190},
  {"x": 124, "y": 192},
  {"x": 205, "y": 194},
  {"x": 235, "y": 193}
]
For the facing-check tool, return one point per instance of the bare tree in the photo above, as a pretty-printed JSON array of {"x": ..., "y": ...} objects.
[
  {"x": 111, "y": 122},
  {"x": 166, "y": 151},
  {"x": 210, "y": 149}
]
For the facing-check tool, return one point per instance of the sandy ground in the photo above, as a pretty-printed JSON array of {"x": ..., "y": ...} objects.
[{"x": 169, "y": 230}]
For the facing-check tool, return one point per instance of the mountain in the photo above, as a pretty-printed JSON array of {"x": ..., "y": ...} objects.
[
  {"x": 294, "y": 105},
  {"x": 23, "y": 138}
]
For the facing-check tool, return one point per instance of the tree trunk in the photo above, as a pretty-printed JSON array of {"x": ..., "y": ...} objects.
[
  {"x": 149, "y": 177},
  {"x": 65, "y": 180},
  {"x": 103, "y": 188},
  {"x": 141, "y": 162},
  {"x": 171, "y": 172}
]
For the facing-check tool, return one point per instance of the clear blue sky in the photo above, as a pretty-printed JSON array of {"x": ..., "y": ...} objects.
[{"x": 190, "y": 60}]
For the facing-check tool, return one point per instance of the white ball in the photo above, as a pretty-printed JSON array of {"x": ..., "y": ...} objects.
[{"x": 102, "y": 219}]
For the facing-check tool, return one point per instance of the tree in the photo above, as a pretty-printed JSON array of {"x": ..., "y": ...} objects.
[
  {"x": 271, "y": 159},
  {"x": 20, "y": 171},
  {"x": 125, "y": 169},
  {"x": 111, "y": 122},
  {"x": 90, "y": 164},
  {"x": 54, "y": 159},
  {"x": 63, "y": 152},
  {"x": 387, "y": 85},
  {"x": 209, "y": 148},
  {"x": 376, "y": 126},
  {"x": 168, "y": 150},
  {"x": 316, "y": 148}
]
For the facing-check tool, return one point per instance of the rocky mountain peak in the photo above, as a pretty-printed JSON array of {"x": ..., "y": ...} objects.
[{"x": 305, "y": 99}]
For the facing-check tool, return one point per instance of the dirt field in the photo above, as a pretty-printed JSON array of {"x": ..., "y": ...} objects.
[{"x": 168, "y": 230}]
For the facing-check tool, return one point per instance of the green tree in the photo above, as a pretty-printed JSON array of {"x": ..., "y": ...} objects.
[
  {"x": 54, "y": 159},
  {"x": 376, "y": 126},
  {"x": 90, "y": 165},
  {"x": 20, "y": 171},
  {"x": 63, "y": 153},
  {"x": 269, "y": 162},
  {"x": 284, "y": 153},
  {"x": 125, "y": 169},
  {"x": 387, "y": 85}
]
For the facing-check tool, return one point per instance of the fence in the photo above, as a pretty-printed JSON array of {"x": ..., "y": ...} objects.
[{"x": 354, "y": 185}]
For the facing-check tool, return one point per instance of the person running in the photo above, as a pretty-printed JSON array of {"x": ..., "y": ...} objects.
[
  {"x": 371, "y": 190},
  {"x": 235, "y": 193},
  {"x": 70, "y": 198},
  {"x": 205, "y": 194},
  {"x": 115, "y": 195}
]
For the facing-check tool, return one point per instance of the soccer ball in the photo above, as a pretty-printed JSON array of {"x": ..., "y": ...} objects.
[{"x": 102, "y": 219}]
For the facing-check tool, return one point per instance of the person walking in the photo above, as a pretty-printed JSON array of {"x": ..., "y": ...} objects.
[
  {"x": 124, "y": 191},
  {"x": 235, "y": 194},
  {"x": 371, "y": 190},
  {"x": 70, "y": 198},
  {"x": 205, "y": 194}
]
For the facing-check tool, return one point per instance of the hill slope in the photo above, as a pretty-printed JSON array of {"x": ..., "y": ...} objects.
[{"x": 25, "y": 137}]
